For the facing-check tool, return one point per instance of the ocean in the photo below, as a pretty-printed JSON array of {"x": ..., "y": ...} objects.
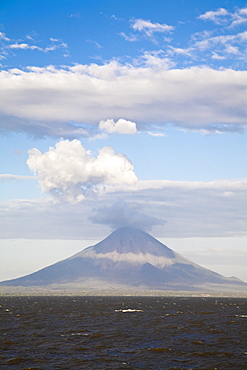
[{"x": 81, "y": 332}]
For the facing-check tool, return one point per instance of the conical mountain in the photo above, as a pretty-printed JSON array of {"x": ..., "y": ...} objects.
[{"x": 128, "y": 257}]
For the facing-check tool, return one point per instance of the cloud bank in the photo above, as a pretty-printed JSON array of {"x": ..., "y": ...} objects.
[
  {"x": 70, "y": 101},
  {"x": 69, "y": 171},
  {"x": 122, "y": 214},
  {"x": 190, "y": 209}
]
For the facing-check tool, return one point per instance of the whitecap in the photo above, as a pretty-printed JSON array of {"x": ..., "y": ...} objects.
[{"x": 129, "y": 310}]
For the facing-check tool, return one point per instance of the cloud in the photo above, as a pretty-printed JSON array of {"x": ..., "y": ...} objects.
[
  {"x": 24, "y": 46},
  {"x": 130, "y": 38},
  {"x": 69, "y": 171},
  {"x": 95, "y": 43},
  {"x": 217, "y": 56},
  {"x": 191, "y": 209},
  {"x": 220, "y": 185},
  {"x": 56, "y": 101},
  {"x": 55, "y": 47},
  {"x": 122, "y": 214},
  {"x": 156, "y": 134},
  {"x": 232, "y": 49},
  {"x": 215, "y": 16},
  {"x": 10, "y": 177},
  {"x": 224, "y": 40},
  {"x": 122, "y": 126},
  {"x": 4, "y": 37},
  {"x": 149, "y": 28},
  {"x": 223, "y": 17},
  {"x": 179, "y": 51},
  {"x": 206, "y": 45},
  {"x": 75, "y": 15},
  {"x": 239, "y": 17},
  {"x": 15, "y": 46}
]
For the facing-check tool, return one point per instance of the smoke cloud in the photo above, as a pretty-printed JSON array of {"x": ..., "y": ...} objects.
[
  {"x": 69, "y": 171},
  {"x": 122, "y": 214}
]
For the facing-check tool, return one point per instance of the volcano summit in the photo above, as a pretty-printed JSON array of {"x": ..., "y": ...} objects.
[{"x": 132, "y": 258}]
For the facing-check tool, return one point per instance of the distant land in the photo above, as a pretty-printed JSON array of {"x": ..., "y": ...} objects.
[{"x": 128, "y": 262}]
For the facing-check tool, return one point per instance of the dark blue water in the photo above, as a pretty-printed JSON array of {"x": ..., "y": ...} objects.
[{"x": 123, "y": 333}]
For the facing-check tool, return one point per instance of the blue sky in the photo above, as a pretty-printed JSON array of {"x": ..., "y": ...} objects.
[{"x": 132, "y": 108}]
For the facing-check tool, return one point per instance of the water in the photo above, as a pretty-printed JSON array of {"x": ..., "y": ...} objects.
[{"x": 123, "y": 333}]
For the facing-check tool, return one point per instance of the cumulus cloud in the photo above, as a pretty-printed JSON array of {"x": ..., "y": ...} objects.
[
  {"x": 122, "y": 126},
  {"x": 49, "y": 99},
  {"x": 149, "y": 28},
  {"x": 122, "y": 214},
  {"x": 69, "y": 171}
]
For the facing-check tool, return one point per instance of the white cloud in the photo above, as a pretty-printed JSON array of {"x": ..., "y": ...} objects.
[
  {"x": 135, "y": 258},
  {"x": 54, "y": 101},
  {"x": 55, "y": 47},
  {"x": 204, "y": 44},
  {"x": 122, "y": 126},
  {"x": 215, "y": 16},
  {"x": 55, "y": 44},
  {"x": 223, "y": 17},
  {"x": 232, "y": 49},
  {"x": 29, "y": 37},
  {"x": 10, "y": 177},
  {"x": 130, "y": 38},
  {"x": 24, "y": 46},
  {"x": 217, "y": 56},
  {"x": 68, "y": 171},
  {"x": 243, "y": 11},
  {"x": 156, "y": 134},
  {"x": 179, "y": 51},
  {"x": 149, "y": 28},
  {"x": 4, "y": 37},
  {"x": 239, "y": 17},
  {"x": 219, "y": 185},
  {"x": 95, "y": 43}
]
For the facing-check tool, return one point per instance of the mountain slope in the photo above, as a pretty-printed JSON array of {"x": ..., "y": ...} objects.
[{"x": 131, "y": 257}]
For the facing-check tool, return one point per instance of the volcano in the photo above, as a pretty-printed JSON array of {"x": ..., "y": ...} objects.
[{"x": 128, "y": 257}]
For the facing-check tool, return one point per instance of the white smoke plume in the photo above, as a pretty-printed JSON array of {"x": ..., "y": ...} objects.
[
  {"x": 122, "y": 214},
  {"x": 122, "y": 126},
  {"x": 69, "y": 171}
]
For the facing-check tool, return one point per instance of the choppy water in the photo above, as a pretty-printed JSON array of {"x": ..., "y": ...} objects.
[{"x": 123, "y": 333}]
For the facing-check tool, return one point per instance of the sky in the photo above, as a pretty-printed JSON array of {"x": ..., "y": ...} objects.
[{"x": 117, "y": 113}]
